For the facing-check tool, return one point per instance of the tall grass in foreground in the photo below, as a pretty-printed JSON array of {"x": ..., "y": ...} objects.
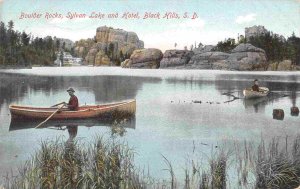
[
  {"x": 103, "y": 164},
  {"x": 278, "y": 165},
  {"x": 109, "y": 164}
]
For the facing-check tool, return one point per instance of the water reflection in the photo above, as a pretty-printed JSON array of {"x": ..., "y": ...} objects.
[
  {"x": 234, "y": 84},
  {"x": 165, "y": 112},
  {"x": 60, "y": 124},
  {"x": 257, "y": 103},
  {"x": 72, "y": 130},
  {"x": 14, "y": 87}
]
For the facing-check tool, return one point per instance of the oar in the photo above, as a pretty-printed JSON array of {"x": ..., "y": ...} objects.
[
  {"x": 57, "y": 104},
  {"x": 50, "y": 116}
]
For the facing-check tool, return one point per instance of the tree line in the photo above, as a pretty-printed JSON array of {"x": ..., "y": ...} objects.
[
  {"x": 23, "y": 49},
  {"x": 277, "y": 48}
]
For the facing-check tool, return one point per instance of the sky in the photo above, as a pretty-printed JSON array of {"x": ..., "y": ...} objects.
[{"x": 216, "y": 19}]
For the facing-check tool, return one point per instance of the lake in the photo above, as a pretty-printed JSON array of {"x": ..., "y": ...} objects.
[{"x": 167, "y": 120}]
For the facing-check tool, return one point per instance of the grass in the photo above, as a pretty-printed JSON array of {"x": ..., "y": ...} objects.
[
  {"x": 103, "y": 164},
  {"x": 108, "y": 163},
  {"x": 277, "y": 166}
]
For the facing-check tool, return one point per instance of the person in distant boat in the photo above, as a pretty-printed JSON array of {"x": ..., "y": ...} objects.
[
  {"x": 255, "y": 87},
  {"x": 73, "y": 102}
]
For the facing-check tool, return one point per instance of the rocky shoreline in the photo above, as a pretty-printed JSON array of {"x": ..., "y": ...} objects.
[
  {"x": 245, "y": 57},
  {"x": 117, "y": 47}
]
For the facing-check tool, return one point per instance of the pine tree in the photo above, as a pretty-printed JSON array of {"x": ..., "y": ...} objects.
[{"x": 25, "y": 38}]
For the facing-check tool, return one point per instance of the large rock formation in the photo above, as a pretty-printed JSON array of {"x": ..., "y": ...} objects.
[
  {"x": 258, "y": 31},
  {"x": 144, "y": 58},
  {"x": 109, "y": 47},
  {"x": 255, "y": 31},
  {"x": 206, "y": 48},
  {"x": 102, "y": 59},
  {"x": 243, "y": 57},
  {"x": 247, "y": 57},
  {"x": 174, "y": 58},
  {"x": 206, "y": 60},
  {"x": 82, "y": 47}
]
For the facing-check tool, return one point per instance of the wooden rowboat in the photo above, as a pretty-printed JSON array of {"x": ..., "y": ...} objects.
[
  {"x": 249, "y": 93},
  {"x": 105, "y": 111}
]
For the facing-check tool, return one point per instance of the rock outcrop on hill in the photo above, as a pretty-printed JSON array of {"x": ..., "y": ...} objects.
[
  {"x": 174, "y": 58},
  {"x": 109, "y": 47},
  {"x": 247, "y": 57},
  {"x": 207, "y": 60},
  {"x": 144, "y": 58},
  {"x": 255, "y": 31},
  {"x": 82, "y": 47},
  {"x": 243, "y": 57}
]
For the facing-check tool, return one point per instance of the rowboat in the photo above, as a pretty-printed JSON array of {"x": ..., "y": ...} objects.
[
  {"x": 104, "y": 111},
  {"x": 249, "y": 93}
]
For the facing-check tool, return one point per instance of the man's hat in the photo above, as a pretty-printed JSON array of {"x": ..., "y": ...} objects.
[{"x": 70, "y": 89}]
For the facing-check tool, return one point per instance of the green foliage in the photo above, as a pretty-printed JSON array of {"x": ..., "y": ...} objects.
[
  {"x": 277, "y": 48},
  {"x": 293, "y": 49},
  {"x": 105, "y": 163},
  {"x": 225, "y": 46},
  {"x": 22, "y": 49},
  {"x": 108, "y": 163}
]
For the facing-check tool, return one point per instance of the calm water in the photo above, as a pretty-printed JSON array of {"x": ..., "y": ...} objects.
[{"x": 167, "y": 122}]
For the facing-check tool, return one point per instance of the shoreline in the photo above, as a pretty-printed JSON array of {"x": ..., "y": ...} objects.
[{"x": 163, "y": 74}]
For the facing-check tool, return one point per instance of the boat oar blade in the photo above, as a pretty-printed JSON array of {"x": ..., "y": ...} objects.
[{"x": 50, "y": 116}]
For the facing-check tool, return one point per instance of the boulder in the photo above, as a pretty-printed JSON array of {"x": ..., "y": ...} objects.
[
  {"x": 106, "y": 34},
  {"x": 206, "y": 48},
  {"x": 207, "y": 59},
  {"x": 117, "y": 44},
  {"x": 246, "y": 47},
  {"x": 243, "y": 57},
  {"x": 82, "y": 47},
  {"x": 255, "y": 31},
  {"x": 248, "y": 57},
  {"x": 102, "y": 59},
  {"x": 146, "y": 58},
  {"x": 149, "y": 65},
  {"x": 285, "y": 65},
  {"x": 126, "y": 63},
  {"x": 90, "y": 57},
  {"x": 272, "y": 67},
  {"x": 221, "y": 65},
  {"x": 102, "y": 34},
  {"x": 172, "y": 58}
]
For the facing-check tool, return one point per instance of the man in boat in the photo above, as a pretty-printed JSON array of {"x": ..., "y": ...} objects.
[
  {"x": 73, "y": 102},
  {"x": 255, "y": 87}
]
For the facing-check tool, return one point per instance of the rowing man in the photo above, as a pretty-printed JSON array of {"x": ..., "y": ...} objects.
[
  {"x": 73, "y": 102},
  {"x": 255, "y": 87}
]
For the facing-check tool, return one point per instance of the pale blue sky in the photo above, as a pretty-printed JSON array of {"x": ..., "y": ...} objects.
[{"x": 218, "y": 19}]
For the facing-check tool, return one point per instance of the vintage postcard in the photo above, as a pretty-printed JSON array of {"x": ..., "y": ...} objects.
[{"x": 132, "y": 94}]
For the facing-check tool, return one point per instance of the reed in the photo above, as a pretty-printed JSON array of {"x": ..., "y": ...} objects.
[
  {"x": 277, "y": 166},
  {"x": 103, "y": 164},
  {"x": 109, "y": 163}
]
